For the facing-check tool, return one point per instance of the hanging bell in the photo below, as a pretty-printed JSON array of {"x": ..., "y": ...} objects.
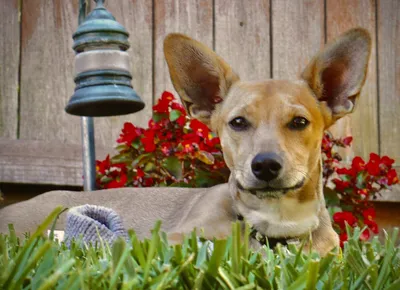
[{"x": 102, "y": 68}]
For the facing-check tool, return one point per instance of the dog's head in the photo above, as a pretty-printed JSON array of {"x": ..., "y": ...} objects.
[{"x": 271, "y": 131}]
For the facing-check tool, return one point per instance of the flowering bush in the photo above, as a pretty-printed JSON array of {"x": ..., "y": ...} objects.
[
  {"x": 348, "y": 191},
  {"x": 176, "y": 150}
]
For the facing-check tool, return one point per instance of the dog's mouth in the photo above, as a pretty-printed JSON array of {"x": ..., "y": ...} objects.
[{"x": 269, "y": 191}]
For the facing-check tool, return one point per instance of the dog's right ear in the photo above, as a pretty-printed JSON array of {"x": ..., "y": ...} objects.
[{"x": 201, "y": 78}]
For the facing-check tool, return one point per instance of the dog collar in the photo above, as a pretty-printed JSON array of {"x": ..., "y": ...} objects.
[{"x": 264, "y": 240}]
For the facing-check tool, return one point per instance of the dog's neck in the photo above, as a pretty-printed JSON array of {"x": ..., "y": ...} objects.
[{"x": 291, "y": 215}]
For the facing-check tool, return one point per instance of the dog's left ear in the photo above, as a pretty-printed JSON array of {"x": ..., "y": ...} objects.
[
  {"x": 201, "y": 78},
  {"x": 337, "y": 74}
]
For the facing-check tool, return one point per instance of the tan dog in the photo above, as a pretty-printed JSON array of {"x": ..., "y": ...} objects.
[{"x": 271, "y": 135}]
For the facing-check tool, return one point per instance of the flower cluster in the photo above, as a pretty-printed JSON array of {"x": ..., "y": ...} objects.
[
  {"x": 176, "y": 150},
  {"x": 351, "y": 189},
  {"x": 173, "y": 151}
]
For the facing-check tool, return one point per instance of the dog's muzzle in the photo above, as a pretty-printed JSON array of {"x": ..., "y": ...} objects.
[{"x": 271, "y": 191}]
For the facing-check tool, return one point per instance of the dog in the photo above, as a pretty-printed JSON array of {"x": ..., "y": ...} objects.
[{"x": 271, "y": 134}]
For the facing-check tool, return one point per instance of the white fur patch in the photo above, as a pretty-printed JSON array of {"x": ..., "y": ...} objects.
[{"x": 279, "y": 217}]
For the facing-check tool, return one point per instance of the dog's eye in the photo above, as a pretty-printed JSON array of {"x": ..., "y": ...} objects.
[
  {"x": 298, "y": 123},
  {"x": 239, "y": 124}
]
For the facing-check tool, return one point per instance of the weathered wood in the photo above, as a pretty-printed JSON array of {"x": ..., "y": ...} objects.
[
  {"x": 363, "y": 123},
  {"x": 42, "y": 162},
  {"x": 48, "y": 68},
  {"x": 194, "y": 18},
  {"x": 391, "y": 196},
  {"x": 136, "y": 17},
  {"x": 242, "y": 36},
  {"x": 9, "y": 67},
  {"x": 298, "y": 34},
  {"x": 389, "y": 77}
]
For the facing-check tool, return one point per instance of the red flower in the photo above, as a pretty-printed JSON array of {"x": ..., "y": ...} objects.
[
  {"x": 363, "y": 191},
  {"x": 343, "y": 238},
  {"x": 347, "y": 141},
  {"x": 365, "y": 235},
  {"x": 199, "y": 128},
  {"x": 358, "y": 164},
  {"x": 187, "y": 146},
  {"x": 369, "y": 214},
  {"x": 139, "y": 174},
  {"x": 166, "y": 148},
  {"x": 373, "y": 164},
  {"x": 341, "y": 185},
  {"x": 327, "y": 145},
  {"x": 392, "y": 177},
  {"x": 165, "y": 135},
  {"x": 387, "y": 161},
  {"x": 181, "y": 121},
  {"x": 372, "y": 225},
  {"x": 116, "y": 169},
  {"x": 218, "y": 165},
  {"x": 192, "y": 137},
  {"x": 148, "y": 182},
  {"x": 163, "y": 104},
  {"x": 153, "y": 125},
  {"x": 346, "y": 171},
  {"x": 148, "y": 141},
  {"x": 212, "y": 141},
  {"x": 102, "y": 166},
  {"x": 119, "y": 181},
  {"x": 179, "y": 107},
  {"x": 129, "y": 134},
  {"x": 342, "y": 217}
]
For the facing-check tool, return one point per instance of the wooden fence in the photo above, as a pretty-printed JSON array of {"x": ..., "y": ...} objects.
[{"x": 40, "y": 143}]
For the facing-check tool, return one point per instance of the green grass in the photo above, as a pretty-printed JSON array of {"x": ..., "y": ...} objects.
[{"x": 38, "y": 262}]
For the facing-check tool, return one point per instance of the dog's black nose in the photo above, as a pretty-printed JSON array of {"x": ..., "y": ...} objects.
[{"x": 266, "y": 166}]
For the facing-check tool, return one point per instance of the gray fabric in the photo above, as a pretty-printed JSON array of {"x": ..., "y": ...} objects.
[{"x": 92, "y": 222}]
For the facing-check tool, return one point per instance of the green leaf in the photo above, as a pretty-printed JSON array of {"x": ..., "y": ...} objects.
[
  {"x": 137, "y": 143},
  {"x": 174, "y": 166},
  {"x": 37, "y": 262},
  {"x": 360, "y": 180},
  {"x": 121, "y": 158},
  {"x": 141, "y": 159},
  {"x": 159, "y": 116},
  {"x": 217, "y": 256},
  {"x": 122, "y": 147},
  {"x": 331, "y": 197},
  {"x": 205, "y": 157},
  {"x": 150, "y": 166},
  {"x": 174, "y": 115}
]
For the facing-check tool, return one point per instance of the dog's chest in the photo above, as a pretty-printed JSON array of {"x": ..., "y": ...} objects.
[{"x": 284, "y": 217}]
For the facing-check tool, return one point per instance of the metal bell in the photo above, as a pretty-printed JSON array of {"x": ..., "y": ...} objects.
[{"x": 102, "y": 68}]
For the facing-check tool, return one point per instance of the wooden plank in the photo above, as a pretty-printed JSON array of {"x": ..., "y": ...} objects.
[
  {"x": 47, "y": 70},
  {"x": 48, "y": 67},
  {"x": 242, "y": 36},
  {"x": 389, "y": 77},
  {"x": 194, "y": 18},
  {"x": 298, "y": 34},
  {"x": 42, "y": 162},
  {"x": 362, "y": 124},
  {"x": 9, "y": 67},
  {"x": 136, "y": 17},
  {"x": 392, "y": 195}
]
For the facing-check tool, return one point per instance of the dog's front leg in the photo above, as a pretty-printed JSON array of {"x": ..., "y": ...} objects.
[{"x": 323, "y": 238}]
